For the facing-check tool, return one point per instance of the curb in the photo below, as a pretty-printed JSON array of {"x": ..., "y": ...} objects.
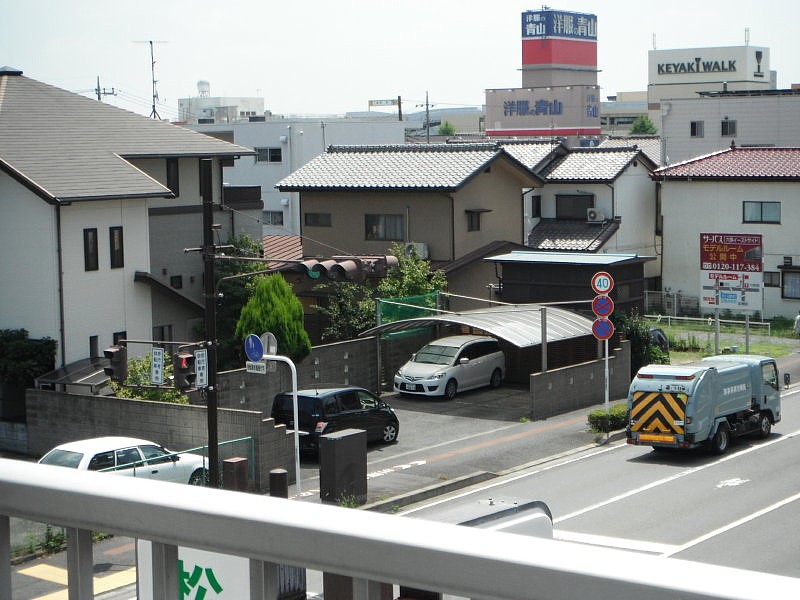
[{"x": 391, "y": 505}]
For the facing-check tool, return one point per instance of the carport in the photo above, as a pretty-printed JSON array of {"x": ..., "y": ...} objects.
[{"x": 520, "y": 328}]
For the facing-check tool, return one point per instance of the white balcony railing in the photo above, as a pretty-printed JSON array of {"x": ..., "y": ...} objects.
[{"x": 370, "y": 547}]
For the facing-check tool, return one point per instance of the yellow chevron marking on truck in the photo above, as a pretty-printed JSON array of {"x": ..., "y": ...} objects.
[{"x": 658, "y": 412}]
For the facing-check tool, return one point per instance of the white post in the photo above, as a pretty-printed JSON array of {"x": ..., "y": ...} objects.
[{"x": 288, "y": 361}]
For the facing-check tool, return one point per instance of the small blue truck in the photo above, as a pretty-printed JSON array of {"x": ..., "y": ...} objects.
[{"x": 704, "y": 403}]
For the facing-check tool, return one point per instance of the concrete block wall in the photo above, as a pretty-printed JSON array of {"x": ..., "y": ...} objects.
[
  {"x": 579, "y": 386},
  {"x": 56, "y": 417},
  {"x": 353, "y": 362}
]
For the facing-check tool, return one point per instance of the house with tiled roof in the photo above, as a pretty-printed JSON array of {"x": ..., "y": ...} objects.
[
  {"x": 97, "y": 205},
  {"x": 444, "y": 200},
  {"x": 597, "y": 200},
  {"x": 747, "y": 191}
]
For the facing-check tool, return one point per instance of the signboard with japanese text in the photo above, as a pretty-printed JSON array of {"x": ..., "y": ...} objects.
[
  {"x": 157, "y": 365},
  {"x": 201, "y": 368},
  {"x": 558, "y": 23},
  {"x": 731, "y": 271},
  {"x": 201, "y": 574}
]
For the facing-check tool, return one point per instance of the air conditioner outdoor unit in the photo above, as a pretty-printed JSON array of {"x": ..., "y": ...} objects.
[
  {"x": 418, "y": 248},
  {"x": 595, "y": 215}
]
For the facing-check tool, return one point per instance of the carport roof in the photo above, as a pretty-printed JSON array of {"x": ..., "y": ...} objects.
[{"x": 517, "y": 324}]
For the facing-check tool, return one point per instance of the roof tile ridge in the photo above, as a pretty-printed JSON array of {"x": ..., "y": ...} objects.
[{"x": 697, "y": 159}]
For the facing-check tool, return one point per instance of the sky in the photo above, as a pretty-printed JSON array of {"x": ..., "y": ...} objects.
[{"x": 313, "y": 57}]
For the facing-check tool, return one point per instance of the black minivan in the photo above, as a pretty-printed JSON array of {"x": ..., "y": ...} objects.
[{"x": 327, "y": 410}]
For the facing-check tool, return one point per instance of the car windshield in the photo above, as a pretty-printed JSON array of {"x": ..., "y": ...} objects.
[
  {"x": 62, "y": 458},
  {"x": 436, "y": 355}
]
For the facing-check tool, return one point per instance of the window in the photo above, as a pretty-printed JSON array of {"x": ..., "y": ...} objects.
[
  {"x": 791, "y": 285},
  {"x": 473, "y": 220},
  {"x": 90, "y": 249},
  {"x": 536, "y": 206},
  {"x": 128, "y": 458},
  {"x": 115, "y": 243},
  {"x": 104, "y": 460},
  {"x": 173, "y": 177},
  {"x": 94, "y": 346},
  {"x": 155, "y": 455},
  {"x": 573, "y": 206},
  {"x": 270, "y": 155},
  {"x": 384, "y": 227},
  {"x": 772, "y": 279},
  {"x": 119, "y": 336},
  {"x": 696, "y": 129},
  {"x": 176, "y": 281},
  {"x": 162, "y": 333},
  {"x": 318, "y": 219},
  {"x": 761, "y": 212},
  {"x": 273, "y": 217},
  {"x": 728, "y": 127}
]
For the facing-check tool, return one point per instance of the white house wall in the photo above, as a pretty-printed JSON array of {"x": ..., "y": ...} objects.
[
  {"x": 770, "y": 120},
  {"x": 635, "y": 200},
  {"x": 692, "y": 208},
  {"x": 29, "y": 269},
  {"x": 103, "y": 302}
]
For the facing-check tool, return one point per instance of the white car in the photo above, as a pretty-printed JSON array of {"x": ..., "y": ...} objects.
[
  {"x": 129, "y": 456},
  {"x": 452, "y": 364}
]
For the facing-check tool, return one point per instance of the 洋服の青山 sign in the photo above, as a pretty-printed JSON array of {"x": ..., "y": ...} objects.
[{"x": 698, "y": 65}]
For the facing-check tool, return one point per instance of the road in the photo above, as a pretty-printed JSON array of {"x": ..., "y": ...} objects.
[{"x": 740, "y": 510}]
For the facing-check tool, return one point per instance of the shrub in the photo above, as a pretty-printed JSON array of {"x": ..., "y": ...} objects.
[{"x": 616, "y": 418}]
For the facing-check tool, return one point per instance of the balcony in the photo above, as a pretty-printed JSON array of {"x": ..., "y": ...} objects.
[{"x": 371, "y": 548}]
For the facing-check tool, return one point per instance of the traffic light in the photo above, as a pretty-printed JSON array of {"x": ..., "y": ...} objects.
[
  {"x": 183, "y": 374},
  {"x": 347, "y": 268},
  {"x": 117, "y": 369}
]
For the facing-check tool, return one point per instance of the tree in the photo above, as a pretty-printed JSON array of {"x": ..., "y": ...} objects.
[
  {"x": 643, "y": 350},
  {"x": 447, "y": 128},
  {"x": 273, "y": 307},
  {"x": 235, "y": 293},
  {"x": 138, "y": 385},
  {"x": 643, "y": 125},
  {"x": 411, "y": 277},
  {"x": 351, "y": 306}
]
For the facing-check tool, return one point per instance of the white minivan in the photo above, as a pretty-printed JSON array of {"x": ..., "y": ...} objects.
[{"x": 452, "y": 364}]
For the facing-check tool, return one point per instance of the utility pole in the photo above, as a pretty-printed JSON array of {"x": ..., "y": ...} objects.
[
  {"x": 100, "y": 93},
  {"x": 209, "y": 293},
  {"x": 428, "y": 117}
]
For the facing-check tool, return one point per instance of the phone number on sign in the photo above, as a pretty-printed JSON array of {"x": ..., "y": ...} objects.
[{"x": 747, "y": 267}]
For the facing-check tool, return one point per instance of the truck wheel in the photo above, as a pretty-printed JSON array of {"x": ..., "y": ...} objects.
[
  {"x": 721, "y": 439},
  {"x": 765, "y": 426}
]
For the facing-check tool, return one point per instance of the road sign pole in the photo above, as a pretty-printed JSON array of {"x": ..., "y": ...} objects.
[
  {"x": 284, "y": 359},
  {"x": 606, "y": 345}
]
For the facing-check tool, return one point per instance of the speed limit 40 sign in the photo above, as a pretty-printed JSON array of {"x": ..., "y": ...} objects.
[{"x": 602, "y": 282}]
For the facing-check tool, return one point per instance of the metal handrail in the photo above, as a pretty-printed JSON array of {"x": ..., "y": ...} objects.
[{"x": 370, "y": 547}]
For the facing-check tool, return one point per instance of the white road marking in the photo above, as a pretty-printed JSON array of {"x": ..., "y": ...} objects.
[
  {"x": 733, "y": 525},
  {"x": 736, "y": 481},
  {"x": 613, "y": 542}
]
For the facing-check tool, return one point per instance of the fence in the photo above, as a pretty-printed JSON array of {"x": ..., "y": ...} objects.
[{"x": 372, "y": 548}]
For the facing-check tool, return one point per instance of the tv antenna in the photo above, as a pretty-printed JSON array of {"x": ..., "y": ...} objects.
[{"x": 154, "y": 112}]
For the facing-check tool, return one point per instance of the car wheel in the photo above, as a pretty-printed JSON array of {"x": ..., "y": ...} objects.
[
  {"x": 497, "y": 378},
  {"x": 199, "y": 477},
  {"x": 390, "y": 431},
  {"x": 451, "y": 389},
  {"x": 721, "y": 439},
  {"x": 765, "y": 426}
]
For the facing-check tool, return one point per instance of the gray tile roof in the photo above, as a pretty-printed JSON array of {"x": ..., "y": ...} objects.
[
  {"x": 592, "y": 164},
  {"x": 404, "y": 167},
  {"x": 533, "y": 154},
  {"x": 649, "y": 144},
  {"x": 67, "y": 147},
  {"x": 570, "y": 236}
]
